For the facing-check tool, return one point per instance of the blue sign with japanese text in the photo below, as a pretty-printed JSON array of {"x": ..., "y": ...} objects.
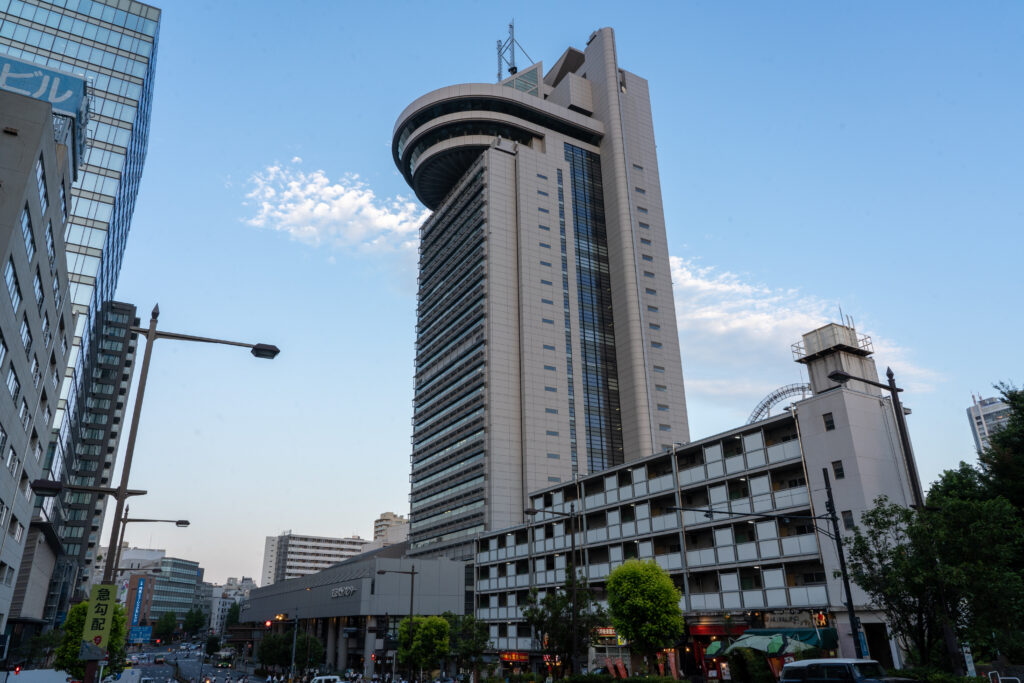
[
  {"x": 140, "y": 634},
  {"x": 65, "y": 92}
]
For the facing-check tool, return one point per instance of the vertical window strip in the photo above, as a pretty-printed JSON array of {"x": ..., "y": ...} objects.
[
  {"x": 44, "y": 201},
  {"x": 573, "y": 449},
  {"x": 26, "y": 233}
]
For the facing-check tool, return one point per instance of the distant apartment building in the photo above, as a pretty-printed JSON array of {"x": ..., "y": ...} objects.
[
  {"x": 385, "y": 522},
  {"x": 231, "y": 593},
  {"x": 986, "y": 415},
  {"x": 40, "y": 147},
  {"x": 290, "y": 556},
  {"x": 177, "y": 587},
  {"x": 697, "y": 510}
]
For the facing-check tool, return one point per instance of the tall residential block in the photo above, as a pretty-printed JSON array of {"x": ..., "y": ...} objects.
[
  {"x": 546, "y": 337},
  {"x": 42, "y": 133},
  {"x": 986, "y": 415},
  {"x": 289, "y": 556},
  {"x": 112, "y": 44},
  {"x": 386, "y": 521}
]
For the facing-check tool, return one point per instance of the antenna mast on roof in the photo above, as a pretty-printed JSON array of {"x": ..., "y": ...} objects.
[{"x": 507, "y": 52}]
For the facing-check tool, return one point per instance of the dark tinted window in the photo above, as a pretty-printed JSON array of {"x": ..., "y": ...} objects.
[{"x": 837, "y": 672}]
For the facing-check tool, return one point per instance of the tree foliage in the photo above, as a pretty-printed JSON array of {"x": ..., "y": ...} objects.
[
  {"x": 166, "y": 625},
  {"x": 212, "y": 645},
  {"x": 233, "y": 615},
  {"x": 276, "y": 650},
  {"x": 551, "y": 617},
  {"x": 194, "y": 622},
  {"x": 1002, "y": 463},
  {"x": 309, "y": 652},
  {"x": 643, "y": 604},
  {"x": 37, "y": 650},
  {"x": 469, "y": 638},
  {"x": 430, "y": 642},
  {"x": 66, "y": 658}
]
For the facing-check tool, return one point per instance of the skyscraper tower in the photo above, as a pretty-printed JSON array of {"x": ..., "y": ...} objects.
[
  {"x": 546, "y": 335},
  {"x": 112, "y": 44}
]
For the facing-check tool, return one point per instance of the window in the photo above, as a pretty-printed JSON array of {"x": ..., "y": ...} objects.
[
  {"x": 640, "y": 190},
  {"x": 36, "y": 374},
  {"x": 554, "y": 480},
  {"x": 47, "y": 336},
  {"x": 51, "y": 250},
  {"x": 645, "y": 226},
  {"x": 12, "y": 461},
  {"x": 24, "y": 415},
  {"x": 652, "y": 309},
  {"x": 56, "y": 292},
  {"x": 644, "y": 240},
  {"x": 658, "y": 368},
  {"x": 542, "y": 209},
  {"x": 642, "y": 209},
  {"x": 26, "y": 337},
  {"x": 554, "y": 456},
  {"x": 26, "y": 233},
  {"x": 550, "y": 368},
  {"x": 546, "y": 264},
  {"x": 546, "y": 282},
  {"x": 547, "y": 301},
  {"x": 12, "y": 284},
  {"x": 549, "y": 347},
  {"x": 837, "y": 469},
  {"x": 551, "y": 411},
  {"x": 37, "y": 290},
  {"x": 647, "y": 257},
  {"x": 44, "y": 202},
  {"x": 552, "y": 432},
  {"x": 830, "y": 424},
  {"x": 63, "y": 202},
  {"x": 638, "y": 167},
  {"x": 551, "y": 389},
  {"x": 662, "y": 407},
  {"x": 544, "y": 227},
  {"x": 542, "y": 176},
  {"x": 848, "y": 522},
  {"x": 544, "y": 245},
  {"x": 13, "y": 385},
  {"x": 651, "y": 291},
  {"x": 660, "y": 387},
  {"x": 655, "y": 345},
  {"x": 648, "y": 273},
  {"x": 665, "y": 428},
  {"x": 654, "y": 326},
  {"x": 547, "y": 321},
  {"x": 542, "y": 193}
]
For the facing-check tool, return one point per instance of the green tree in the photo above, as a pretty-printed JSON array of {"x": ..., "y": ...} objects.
[
  {"x": 551, "y": 617},
  {"x": 166, "y": 625},
  {"x": 1002, "y": 463},
  {"x": 644, "y": 607},
  {"x": 276, "y": 650},
  {"x": 233, "y": 614},
  {"x": 430, "y": 642},
  {"x": 66, "y": 658},
  {"x": 952, "y": 564},
  {"x": 212, "y": 645},
  {"x": 38, "y": 649},
  {"x": 194, "y": 622},
  {"x": 469, "y": 639},
  {"x": 309, "y": 652}
]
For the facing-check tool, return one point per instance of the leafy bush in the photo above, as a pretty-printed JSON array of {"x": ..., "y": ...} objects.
[
  {"x": 749, "y": 666},
  {"x": 930, "y": 675}
]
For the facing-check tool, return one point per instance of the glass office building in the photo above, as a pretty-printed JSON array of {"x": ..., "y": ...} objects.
[
  {"x": 546, "y": 336},
  {"x": 113, "y": 44}
]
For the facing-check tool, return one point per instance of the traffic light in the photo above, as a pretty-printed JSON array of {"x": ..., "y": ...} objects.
[
  {"x": 157, "y": 641},
  {"x": 17, "y": 670},
  {"x": 267, "y": 623},
  {"x": 373, "y": 657}
]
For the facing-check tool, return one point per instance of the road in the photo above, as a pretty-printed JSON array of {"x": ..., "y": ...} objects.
[{"x": 189, "y": 668}]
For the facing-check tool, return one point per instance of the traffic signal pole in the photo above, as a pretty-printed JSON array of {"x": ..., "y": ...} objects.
[{"x": 830, "y": 507}]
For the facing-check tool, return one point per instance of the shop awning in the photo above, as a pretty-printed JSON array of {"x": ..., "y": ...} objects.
[
  {"x": 786, "y": 640},
  {"x": 713, "y": 649}
]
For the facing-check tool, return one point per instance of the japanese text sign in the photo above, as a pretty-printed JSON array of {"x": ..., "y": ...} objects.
[
  {"x": 64, "y": 92},
  {"x": 99, "y": 618}
]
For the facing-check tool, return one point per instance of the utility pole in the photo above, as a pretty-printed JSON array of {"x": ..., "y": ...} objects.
[{"x": 830, "y": 507}]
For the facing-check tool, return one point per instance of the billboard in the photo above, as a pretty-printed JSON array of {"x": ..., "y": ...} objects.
[
  {"x": 140, "y": 634},
  {"x": 66, "y": 93}
]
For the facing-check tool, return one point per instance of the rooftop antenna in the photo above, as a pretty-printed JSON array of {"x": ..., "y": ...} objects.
[{"x": 507, "y": 52}]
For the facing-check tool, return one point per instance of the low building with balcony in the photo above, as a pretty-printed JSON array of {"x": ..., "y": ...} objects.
[{"x": 698, "y": 511}]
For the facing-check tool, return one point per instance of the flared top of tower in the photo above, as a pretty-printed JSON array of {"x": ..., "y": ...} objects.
[{"x": 438, "y": 136}]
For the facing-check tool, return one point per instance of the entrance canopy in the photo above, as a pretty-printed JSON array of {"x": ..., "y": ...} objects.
[{"x": 786, "y": 640}]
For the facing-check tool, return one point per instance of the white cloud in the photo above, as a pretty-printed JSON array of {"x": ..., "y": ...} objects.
[
  {"x": 317, "y": 210},
  {"x": 736, "y": 337}
]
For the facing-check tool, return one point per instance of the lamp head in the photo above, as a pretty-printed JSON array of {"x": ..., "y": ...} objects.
[
  {"x": 840, "y": 377},
  {"x": 181, "y": 523},
  {"x": 530, "y": 511},
  {"x": 265, "y": 351},
  {"x": 47, "y": 487}
]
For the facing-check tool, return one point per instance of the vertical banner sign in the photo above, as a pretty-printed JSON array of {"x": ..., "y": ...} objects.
[{"x": 98, "y": 620}]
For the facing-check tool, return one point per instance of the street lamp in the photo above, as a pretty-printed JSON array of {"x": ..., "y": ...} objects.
[
  {"x": 842, "y": 377},
  {"x": 412, "y": 587},
  {"x": 571, "y": 516},
  {"x": 180, "y": 523},
  {"x": 266, "y": 351},
  {"x": 831, "y": 516}
]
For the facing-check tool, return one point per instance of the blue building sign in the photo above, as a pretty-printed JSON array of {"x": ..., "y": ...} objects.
[
  {"x": 140, "y": 634},
  {"x": 66, "y": 93}
]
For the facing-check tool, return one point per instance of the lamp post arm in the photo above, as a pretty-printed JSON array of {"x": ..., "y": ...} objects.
[{"x": 160, "y": 334}]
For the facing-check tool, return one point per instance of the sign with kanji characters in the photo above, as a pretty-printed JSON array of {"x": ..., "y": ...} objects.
[
  {"x": 98, "y": 620},
  {"x": 66, "y": 93}
]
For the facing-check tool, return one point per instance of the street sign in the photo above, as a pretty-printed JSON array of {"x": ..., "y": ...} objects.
[
  {"x": 140, "y": 634},
  {"x": 98, "y": 620}
]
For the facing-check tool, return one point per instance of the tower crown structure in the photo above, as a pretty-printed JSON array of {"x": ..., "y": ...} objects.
[{"x": 546, "y": 336}]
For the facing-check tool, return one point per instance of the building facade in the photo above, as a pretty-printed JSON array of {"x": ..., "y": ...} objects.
[
  {"x": 354, "y": 607},
  {"x": 986, "y": 416},
  {"x": 735, "y": 570},
  {"x": 39, "y": 153},
  {"x": 112, "y": 43},
  {"x": 382, "y": 524},
  {"x": 546, "y": 337},
  {"x": 290, "y": 556}
]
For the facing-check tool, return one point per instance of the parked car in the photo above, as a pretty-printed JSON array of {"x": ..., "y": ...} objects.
[
  {"x": 159, "y": 659},
  {"x": 835, "y": 670},
  {"x": 326, "y": 679}
]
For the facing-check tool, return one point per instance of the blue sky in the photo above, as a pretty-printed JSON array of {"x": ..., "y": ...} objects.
[{"x": 813, "y": 155}]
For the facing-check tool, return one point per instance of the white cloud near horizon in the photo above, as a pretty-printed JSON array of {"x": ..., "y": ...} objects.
[
  {"x": 736, "y": 336},
  {"x": 316, "y": 210}
]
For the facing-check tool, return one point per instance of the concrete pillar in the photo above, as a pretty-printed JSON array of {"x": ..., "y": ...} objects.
[
  {"x": 369, "y": 644},
  {"x": 332, "y": 644},
  {"x": 343, "y": 645}
]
